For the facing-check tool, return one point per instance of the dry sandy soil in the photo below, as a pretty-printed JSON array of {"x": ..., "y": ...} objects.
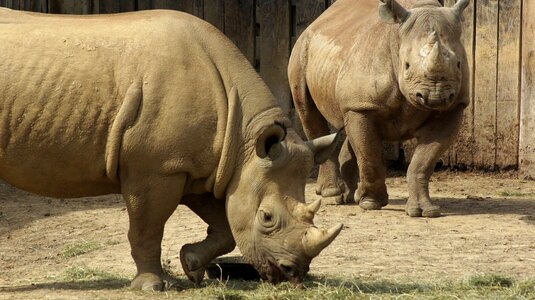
[{"x": 488, "y": 227}]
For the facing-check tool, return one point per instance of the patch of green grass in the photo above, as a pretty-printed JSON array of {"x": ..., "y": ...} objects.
[
  {"x": 515, "y": 194},
  {"x": 80, "y": 248},
  {"x": 77, "y": 273},
  {"x": 477, "y": 287},
  {"x": 486, "y": 280},
  {"x": 85, "y": 278}
]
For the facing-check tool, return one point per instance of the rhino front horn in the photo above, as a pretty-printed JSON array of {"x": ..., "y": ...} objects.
[{"x": 316, "y": 239}]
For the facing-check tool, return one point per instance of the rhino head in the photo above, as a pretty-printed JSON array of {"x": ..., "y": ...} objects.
[
  {"x": 270, "y": 222},
  {"x": 432, "y": 61}
]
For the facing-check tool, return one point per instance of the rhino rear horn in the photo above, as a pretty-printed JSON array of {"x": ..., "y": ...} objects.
[
  {"x": 392, "y": 12},
  {"x": 323, "y": 147},
  {"x": 316, "y": 239},
  {"x": 459, "y": 7}
]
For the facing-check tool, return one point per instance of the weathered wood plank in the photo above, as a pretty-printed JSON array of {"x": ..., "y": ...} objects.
[
  {"x": 13, "y": 4},
  {"x": 81, "y": 7},
  {"x": 144, "y": 4},
  {"x": 185, "y": 6},
  {"x": 240, "y": 26},
  {"x": 214, "y": 13},
  {"x": 61, "y": 7},
  {"x": 485, "y": 84},
  {"x": 273, "y": 17},
  {"x": 306, "y": 12},
  {"x": 111, "y": 7},
  {"x": 36, "y": 5},
  {"x": 508, "y": 86},
  {"x": 198, "y": 8},
  {"x": 167, "y": 4},
  {"x": 461, "y": 154},
  {"x": 527, "y": 116}
]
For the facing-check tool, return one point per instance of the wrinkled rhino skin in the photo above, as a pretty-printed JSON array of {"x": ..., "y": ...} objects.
[
  {"x": 160, "y": 107},
  {"x": 385, "y": 71}
]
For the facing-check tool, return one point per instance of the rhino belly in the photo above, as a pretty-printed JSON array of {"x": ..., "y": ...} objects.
[
  {"x": 56, "y": 110},
  {"x": 55, "y": 149}
]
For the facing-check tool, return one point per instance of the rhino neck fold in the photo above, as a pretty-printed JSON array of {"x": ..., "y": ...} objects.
[
  {"x": 218, "y": 181},
  {"x": 394, "y": 50}
]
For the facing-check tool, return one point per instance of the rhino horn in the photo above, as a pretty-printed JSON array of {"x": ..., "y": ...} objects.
[
  {"x": 316, "y": 239},
  {"x": 433, "y": 38},
  {"x": 323, "y": 147},
  {"x": 459, "y": 7},
  {"x": 435, "y": 61},
  {"x": 306, "y": 212},
  {"x": 314, "y": 206}
]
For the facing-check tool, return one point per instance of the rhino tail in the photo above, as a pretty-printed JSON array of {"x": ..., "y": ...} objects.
[{"x": 126, "y": 116}]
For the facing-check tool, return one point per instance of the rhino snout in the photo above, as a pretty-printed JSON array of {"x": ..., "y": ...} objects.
[
  {"x": 435, "y": 100},
  {"x": 283, "y": 270}
]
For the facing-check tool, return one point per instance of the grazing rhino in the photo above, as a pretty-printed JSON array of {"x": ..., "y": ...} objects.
[
  {"x": 160, "y": 107},
  {"x": 385, "y": 73}
]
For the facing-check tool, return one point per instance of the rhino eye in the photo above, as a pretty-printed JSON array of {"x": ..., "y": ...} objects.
[
  {"x": 266, "y": 217},
  {"x": 458, "y": 65},
  {"x": 407, "y": 66}
]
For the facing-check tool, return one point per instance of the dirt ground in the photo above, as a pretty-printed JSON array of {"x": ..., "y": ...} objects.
[{"x": 488, "y": 227}]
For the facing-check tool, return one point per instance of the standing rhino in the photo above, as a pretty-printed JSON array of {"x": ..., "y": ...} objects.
[
  {"x": 160, "y": 107},
  {"x": 384, "y": 74}
]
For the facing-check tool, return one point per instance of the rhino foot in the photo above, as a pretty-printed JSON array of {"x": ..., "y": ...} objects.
[
  {"x": 147, "y": 282},
  {"x": 191, "y": 265},
  {"x": 371, "y": 201},
  {"x": 431, "y": 211},
  {"x": 370, "y": 204},
  {"x": 413, "y": 211},
  {"x": 334, "y": 193}
]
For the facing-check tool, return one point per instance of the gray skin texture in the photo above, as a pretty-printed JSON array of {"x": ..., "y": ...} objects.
[
  {"x": 162, "y": 108},
  {"x": 386, "y": 71}
]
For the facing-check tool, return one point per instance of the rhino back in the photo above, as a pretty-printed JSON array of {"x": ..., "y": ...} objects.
[{"x": 63, "y": 81}]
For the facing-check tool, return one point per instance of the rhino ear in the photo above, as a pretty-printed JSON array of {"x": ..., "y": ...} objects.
[
  {"x": 324, "y": 146},
  {"x": 268, "y": 144},
  {"x": 392, "y": 12},
  {"x": 459, "y": 7}
]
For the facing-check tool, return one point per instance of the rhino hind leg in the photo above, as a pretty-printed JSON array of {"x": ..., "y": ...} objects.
[
  {"x": 219, "y": 240},
  {"x": 150, "y": 202},
  {"x": 348, "y": 171},
  {"x": 315, "y": 125}
]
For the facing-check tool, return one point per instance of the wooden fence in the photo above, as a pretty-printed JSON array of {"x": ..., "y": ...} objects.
[{"x": 499, "y": 35}]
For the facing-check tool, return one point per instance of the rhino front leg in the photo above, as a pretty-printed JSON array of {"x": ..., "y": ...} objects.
[
  {"x": 364, "y": 138},
  {"x": 150, "y": 201},
  {"x": 219, "y": 240},
  {"x": 432, "y": 140}
]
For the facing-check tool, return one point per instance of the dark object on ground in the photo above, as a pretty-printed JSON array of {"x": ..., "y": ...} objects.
[{"x": 231, "y": 267}]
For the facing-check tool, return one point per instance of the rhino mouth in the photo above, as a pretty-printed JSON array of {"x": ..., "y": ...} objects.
[
  {"x": 283, "y": 271},
  {"x": 433, "y": 102}
]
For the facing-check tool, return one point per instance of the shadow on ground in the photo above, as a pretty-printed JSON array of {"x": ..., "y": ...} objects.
[
  {"x": 18, "y": 208},
  {"x": 479, "y": 206},
  {"x": 100, "y": 284}
]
